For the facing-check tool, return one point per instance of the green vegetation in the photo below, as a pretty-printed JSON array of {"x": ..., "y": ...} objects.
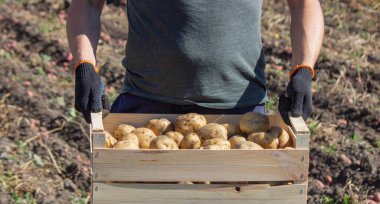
[
  {"x": 41, "y": 71},
  {"x": 271, "y": 104},
  {"x": 377, "y": 143},
  {"x": 21, "y": 199},
  {"x": 21, "y": 146},
  {"x": 45, "y": 57},
  {"x": 7, "y": 178},
  {"x": 6, "y": 54},
  {"x": 331, "y": 149},
  {"x": 355, "y": 137},
  {"x": 59, "y": 101},
  {"x": 112, "y": 95},
  {"x": 347, "y": 199},
  {"x": 49, "y": 25},
  {"x": 313, "y": 126},
  {"x": 72, "y": 113},
  {"x": 78, "y": 200},
  {"x": 328, "y": 200},
  {"x": 81, "y": 199},
  {"x": 38, "y": 160}
]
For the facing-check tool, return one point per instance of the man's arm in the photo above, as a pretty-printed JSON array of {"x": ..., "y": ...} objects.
[
  {"x": 83, "y": 31},
  {"x": 306, "y": 30},
  {"x": 83, "y": 28}
]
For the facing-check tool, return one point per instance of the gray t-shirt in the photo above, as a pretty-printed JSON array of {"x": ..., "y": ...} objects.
[{"x": 204, "y": 52}]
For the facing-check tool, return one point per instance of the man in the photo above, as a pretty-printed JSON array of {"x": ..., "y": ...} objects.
[{"x": 202, "y": 56}]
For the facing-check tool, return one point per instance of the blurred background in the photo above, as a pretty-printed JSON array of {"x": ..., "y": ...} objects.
[{"x": 44, "y": 142}]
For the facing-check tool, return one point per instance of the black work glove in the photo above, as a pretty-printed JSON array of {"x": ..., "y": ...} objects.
[
  {"x": 299, "y": 100},
  {"x": 89, "y": 91}
]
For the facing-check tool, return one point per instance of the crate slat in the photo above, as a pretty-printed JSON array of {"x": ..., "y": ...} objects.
[
  {"x": 200, "y": 165},
  {"x": 198, "y": 193},
  {"x": 288, "y": 194}
]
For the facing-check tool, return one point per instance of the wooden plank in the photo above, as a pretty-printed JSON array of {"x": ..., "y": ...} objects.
[
  {"x": 97, "y": 122},
  {"x": 288, "y": 194},
  {"x": 180, "y": 193},
  {"x": 98, "y": 140},
  {"x": 199, "y": 193},
  {"x": 301, "y": 131},
  {"x": 200, "y": 165},
  {"x": 302, "y": 141},
  {"x": 299, "y": 126}
]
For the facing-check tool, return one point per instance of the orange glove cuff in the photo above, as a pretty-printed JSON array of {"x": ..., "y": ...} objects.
[
  {"x": 299, "y": 67},
  {"x": 86, "y": 61}
]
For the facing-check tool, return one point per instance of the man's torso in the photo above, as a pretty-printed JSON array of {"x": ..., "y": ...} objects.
[{"x": 205, "y": 52}]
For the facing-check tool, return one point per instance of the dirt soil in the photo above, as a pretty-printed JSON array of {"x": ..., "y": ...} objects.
[{"x": 44, "y": 143}]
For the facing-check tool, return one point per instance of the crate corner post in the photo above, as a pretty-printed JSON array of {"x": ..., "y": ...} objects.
[
  {"x": 97, "y": 140},
  {"x": 302, "y": 132}
]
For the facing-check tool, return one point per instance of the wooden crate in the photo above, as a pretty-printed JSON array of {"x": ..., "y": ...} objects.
[{"x": 237, "y": 176}]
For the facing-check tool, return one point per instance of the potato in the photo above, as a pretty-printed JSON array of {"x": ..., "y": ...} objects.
[
  {"x": 126, "y": 144},
  {"x": 123, "y": 130},
  {"x": 190, "y": 141},
  {"x": 110, "y": 140},
  {"x": 160, "y": 126},
  {"x": 189, "y": 123},
  {"x": 265, "y": 140},
  {"x": 232, "y": 130},
  {"x": 223, "y": 143},
  {"x": 283, "y": 136},
  {"x": 163, "y": 142},
  {"x": 248, "y": 145},
  {"x": 235, "y": 139},
  {"x": 130, "y": 136},
  {"x": 254, "y": 122},
  {"x": 143, "y": 130},
  {"x": 145, "y": 136},
  {"x": 211, "y": 131},
  {"x": 176, "y": 136}
]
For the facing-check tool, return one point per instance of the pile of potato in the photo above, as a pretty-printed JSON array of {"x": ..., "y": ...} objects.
[{"x": 191, "y": 131}]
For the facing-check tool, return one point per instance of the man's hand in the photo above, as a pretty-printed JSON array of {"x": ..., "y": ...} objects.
[
  {"x": 299, "y": 93},
  {"x": 89, "y": 91},
  {"x": 299, "y": 100}
]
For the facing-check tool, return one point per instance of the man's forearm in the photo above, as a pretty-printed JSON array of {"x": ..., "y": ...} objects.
[
  {"x": 83, "y": 28},
  {"x": 307, "y": 28}
]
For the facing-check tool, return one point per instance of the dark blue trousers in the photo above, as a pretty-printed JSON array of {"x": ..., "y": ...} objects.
[{"x": 129, "y": 103}]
